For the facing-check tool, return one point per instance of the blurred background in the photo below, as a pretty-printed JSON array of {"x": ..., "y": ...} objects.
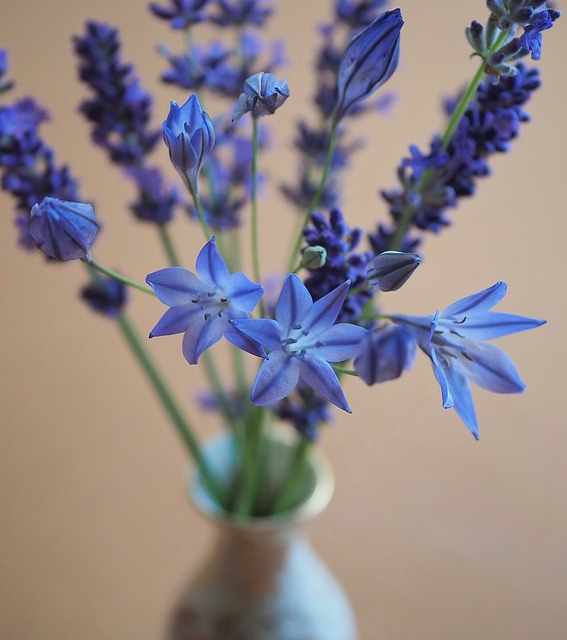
[{"x": 440, "y": 537}]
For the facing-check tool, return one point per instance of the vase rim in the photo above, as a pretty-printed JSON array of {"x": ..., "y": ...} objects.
[{"x": 313, "y": 503}]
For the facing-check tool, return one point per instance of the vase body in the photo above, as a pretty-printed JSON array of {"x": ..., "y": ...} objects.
[{"x": 262, "y": 579}]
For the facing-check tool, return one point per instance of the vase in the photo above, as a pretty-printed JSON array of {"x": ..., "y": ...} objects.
[{"x": 262, "y": 579}]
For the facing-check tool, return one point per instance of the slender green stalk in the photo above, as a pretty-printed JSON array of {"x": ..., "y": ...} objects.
[
  {"x": 168, "y": 245},
  {"x": 344, "y": 370},
  {"x": 459, "y": 111},
  {"x": 295, "y": 478},
  {"x": 254, "y": 441},
  {"x": 180, "y": 422},
  {"x": 216, "y": 385},
  {"x": 317, "y": 197},
  {"x": 117, "y": 276},
  {"x": 254, "y": 203},
  {"x": 201, "y": 215}
]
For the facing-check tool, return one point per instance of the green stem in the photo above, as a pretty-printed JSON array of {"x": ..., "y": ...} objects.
[
  {"x": 254, "y": 203},
  {"x": 317, "y": 197},
  {"x": 201, "y": 215},
  {"x": 117, "y": 276},
  {"x": 254, "y": 440},
  {"x": 459, "y": 111},
  {"x": 180, "y": 422},
  {"x": 168, "y": 245},
  {"x": 344, "y": 370},
  {"x": 295, "y": 478},
  {"x": 216, "y": 385}
]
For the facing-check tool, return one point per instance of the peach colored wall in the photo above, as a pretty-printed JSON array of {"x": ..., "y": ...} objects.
[{"x": 435, "y": 536}]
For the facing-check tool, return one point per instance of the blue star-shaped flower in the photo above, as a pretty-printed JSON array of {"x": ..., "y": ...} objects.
[
  {"x": 455, "y": 341},
  {"x": 202, "y": 305},
  {"x": 302, "y": 341}
]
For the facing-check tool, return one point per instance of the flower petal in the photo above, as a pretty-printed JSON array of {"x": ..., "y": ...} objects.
[
  {"x": 324, "y": 312},
  {"x": 476, "y": 303},
  {"x": 175, "y": 320},
  {"x": 210, "y": 266},
  {"x": 320, "y": 376},
  {"x": 200, "y": 335},
  {"x": 242, "y": 292},
  {"x": 462, "y": 397},
  {"x": 294, "y": 303},
  {"x": 277, "y": 378},
  {"x": 491, "y": 368},
  {"x": 175, "y": 286},
  {"x": 439, "y": 372},
  {"x": 340, "y": 342},
  {"x": 263, "y": 330},
  {"x": 242, "y": 341},
  {"x": 495, "y": 325}
]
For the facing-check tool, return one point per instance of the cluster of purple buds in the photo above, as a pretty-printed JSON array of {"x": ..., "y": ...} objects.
[{"x": 497, "y": 43}]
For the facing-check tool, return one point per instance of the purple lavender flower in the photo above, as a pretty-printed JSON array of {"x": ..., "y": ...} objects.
[
  {"x": 106, "y": 296},
  {"x": 29, "y": 169},
  {"x": 182, "y": 13},
  {"x": 369, "y": 61},
  {"x": 156, "y": 201},
  {"x": 455, "y": 341},
  {"x": 203, "y": 304},
  {"x": 342, "y": 263},
  {"x": 384, "y": 354},
  {"x": 302, "y": 341},
  {"x": 189, "y": 135},
  {"x": 239, "y": 13},
  {"x": 358, "y": 14},
  {"x": 531, "y": 38},
  {"x": 263, "y": 94},
  {"x": 120, "y": 109},
  {"x": 63, "y": 230},
  {"x": 5, "y": 85},
  {"x": 490, "y": 123}
]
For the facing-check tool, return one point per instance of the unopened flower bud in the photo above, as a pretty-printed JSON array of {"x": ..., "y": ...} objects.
[
  {"x": 263, "y": 94},
  {"x": 63, "y": 230},
  {"x": 390, "y": 270},
  {"x": 190, "y": 137},
  {"x": 314, "y": 257},
  {"x": 369, "y": 60},
  {"x": 384, "y": 354}
]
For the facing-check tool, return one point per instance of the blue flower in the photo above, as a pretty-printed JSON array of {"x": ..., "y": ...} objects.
[
  {"x": 369, "y": 60},
  {"x": 203, "y": 304},
  {"x": 263, "y": 94},
  {"x": 63, "y": 230},
  {"x": 455, "y": 341},
  {"x": 384, "y": 354},
  {"x": 302, "y": 341},
  {"x": 190, "y": 137},
  {"x": 390, "y": 270}
]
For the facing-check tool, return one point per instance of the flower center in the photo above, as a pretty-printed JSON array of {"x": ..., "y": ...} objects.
[{"x": 212, "y": 304}]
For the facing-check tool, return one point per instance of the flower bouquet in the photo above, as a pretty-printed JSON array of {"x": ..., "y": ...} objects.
[{"x": 295, "y": 337}]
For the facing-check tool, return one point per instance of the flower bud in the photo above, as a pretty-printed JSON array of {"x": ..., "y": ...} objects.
[
  {"x": 390, "y": 270},
  {"x": 369, "y": 60},
  {"x": 314, "y": 257},
  {"x": 190, "y": 137},
  {"x": 63, "y": 230},
  {"x": 263, "y": 94},
  {"x": 384, "y": 354}
]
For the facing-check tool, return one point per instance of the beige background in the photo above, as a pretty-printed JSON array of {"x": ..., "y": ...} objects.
[{"x": 434, "y": 536}]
